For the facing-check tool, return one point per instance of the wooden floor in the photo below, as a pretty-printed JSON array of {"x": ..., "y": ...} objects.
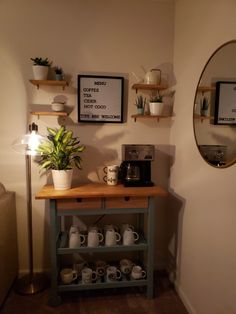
[{"x": 109, "y": 301}]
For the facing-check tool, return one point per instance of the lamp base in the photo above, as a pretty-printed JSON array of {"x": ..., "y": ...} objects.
[{"x": 31, "y": 284}]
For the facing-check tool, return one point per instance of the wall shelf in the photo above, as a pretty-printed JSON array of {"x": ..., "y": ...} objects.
[
  {"x": 38, "y": 83},
  {"x": 202, "y": 118},
  {"x": 147, "y": 116},
  {"x": 149, "y": 87},
  {"x": 204, "y": 89},
  {"x": 49, "y": 113},
  {"x": 46, "y": 110}
]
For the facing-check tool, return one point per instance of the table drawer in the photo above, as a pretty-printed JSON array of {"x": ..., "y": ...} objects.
[
  {"x": 79, "y": 203},
  {"x": 126, "y": 202}
]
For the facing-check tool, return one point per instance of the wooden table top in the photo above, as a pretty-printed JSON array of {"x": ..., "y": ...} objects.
[{"x": 90, "y": 190}]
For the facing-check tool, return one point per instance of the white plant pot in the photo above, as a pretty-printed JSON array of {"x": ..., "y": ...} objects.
[
  {"x": 62, "y": 179},
  {"x": 40, "y": 72},
  {"x": 156, "y": 108}
]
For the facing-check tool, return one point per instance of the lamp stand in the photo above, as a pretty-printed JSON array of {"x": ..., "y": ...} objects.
[{"x": 32, "y": 282}]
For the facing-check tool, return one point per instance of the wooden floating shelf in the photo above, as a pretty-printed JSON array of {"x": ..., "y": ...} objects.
[
  {"x": 37, "y": 83},
  {"x": 202, "y": 118},
  {"x": 49, "y": 113},
  {"x": 147, "y": 116},
  {"x": 206, "y": 89},
  {"x": 149, "y": 87}
]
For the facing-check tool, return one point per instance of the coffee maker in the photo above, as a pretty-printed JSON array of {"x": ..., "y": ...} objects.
[{"x": 135, "y": 169}]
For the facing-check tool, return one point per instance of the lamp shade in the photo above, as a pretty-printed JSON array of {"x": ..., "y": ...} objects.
[{"x": 27, "y": 144}]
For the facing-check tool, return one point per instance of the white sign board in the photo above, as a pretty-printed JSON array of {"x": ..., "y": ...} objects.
[
  {"x": 225, "y": 109},
  {"x": 100, "y": 98}
]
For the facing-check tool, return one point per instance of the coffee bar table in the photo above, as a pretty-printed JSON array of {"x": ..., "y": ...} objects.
[{"x": 99, "y": 199}]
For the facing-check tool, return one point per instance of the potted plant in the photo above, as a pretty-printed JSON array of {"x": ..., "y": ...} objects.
[
  {"x": 156, "y": 105},
  {"x": 58, "y": 73},
  {"x": 60, "y": 152},
  {"x": 40, "y": 68},
  {"x": 140, "y": 103},
  {"x": 204, "y": 104}
]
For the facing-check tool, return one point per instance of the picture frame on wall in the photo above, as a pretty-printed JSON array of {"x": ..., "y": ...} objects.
[
  {"x": 225, "y": 103},
  {"x": 100, "y": 98}
]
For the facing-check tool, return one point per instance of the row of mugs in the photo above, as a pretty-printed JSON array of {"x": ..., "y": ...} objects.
[
  {"x": 110, "y": 237},
  {"x": 120, "y": 229},
  {"x": 111, "y": 273}
]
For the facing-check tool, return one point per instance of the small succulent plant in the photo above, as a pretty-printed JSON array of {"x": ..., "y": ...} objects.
[
  {"x": 58, "y": 70},
  {"x": 157, "y": 98},
  {"x": 204, "y": 103},
  {"x": 41, "y": 61},
  {"x": 140, "y": 101}
]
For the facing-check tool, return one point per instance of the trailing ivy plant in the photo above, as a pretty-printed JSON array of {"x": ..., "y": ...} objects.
[{"x": 60, "y": 151}]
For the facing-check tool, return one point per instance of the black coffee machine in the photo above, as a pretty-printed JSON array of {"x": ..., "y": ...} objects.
[{"x": 135, "y": 169}]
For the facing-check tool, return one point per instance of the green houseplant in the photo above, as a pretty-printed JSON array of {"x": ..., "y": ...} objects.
[
  {"x": 60, "y": 152},
  {"x": 40, "y": 67},
  {"x": 204, "y": 105},
  {"x": 140, "y": 103},
  {"x": 58, "y": 73},
  {"x": 156, "y": 105}
]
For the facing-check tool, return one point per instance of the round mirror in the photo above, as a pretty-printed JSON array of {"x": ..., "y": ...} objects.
[{"x": 214, "y": 112}]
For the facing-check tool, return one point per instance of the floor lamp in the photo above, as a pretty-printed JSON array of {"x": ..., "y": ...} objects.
[{"x": 27, "y": 144}]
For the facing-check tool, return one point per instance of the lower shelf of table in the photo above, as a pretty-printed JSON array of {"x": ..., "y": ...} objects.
[{"x": 103, "y": 285}]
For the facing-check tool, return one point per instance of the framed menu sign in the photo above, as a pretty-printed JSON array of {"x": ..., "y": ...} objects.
[
  {"x": 100, "y": 98},
  {"x": 225, "y": 105}
]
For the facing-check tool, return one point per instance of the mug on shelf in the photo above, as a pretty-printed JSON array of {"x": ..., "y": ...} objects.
[
  {"x": 68, "y": 275},
  {"x": 126, "y": 266},
  {"x": 110, "y": 226},
  {"x": 113, "y": 273},
  {"x": 88, "y": 275},
  {"x": 130, "y": 237},
  {"x": 111, "y": 177},
  {"x": 76, "y": 240},
  {"x": 101, "y": 267},
  {"x": 73, "y": 228},
  {"x": 94, "y": 238},
  {"x": 125, "y": 226},
  {"x": 138, "y": 273},
  {"x": 112, "y": 237}
]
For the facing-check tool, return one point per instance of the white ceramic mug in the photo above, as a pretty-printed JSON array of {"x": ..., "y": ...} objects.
[
  {"x": 112, "y": 237},
  {"x": 110, "y": 226},
  {"x": 88, "y": 275},
  {"x": 113, "y": 273},
  {"x": 73, "y": 228},
  {"x": 76, "y": 239},
  {"x": 111, "y": 177},
  {"x": 130, "y": 236},
  {"x": 138, "y": 273},
  {"x": 125, "y": 226},
  {"x": 94, "y": 238},
  {"x": 101, "y": 267},
  {"x": 94, "y": 227},
  {"x": 68, "y": 275},
  {"x": 126, "y": 266}
]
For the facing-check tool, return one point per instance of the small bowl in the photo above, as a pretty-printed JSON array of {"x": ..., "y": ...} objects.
[{"x": 57, "y": 106}]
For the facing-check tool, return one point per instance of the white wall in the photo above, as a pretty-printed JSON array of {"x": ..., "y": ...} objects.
[
  {"x": 206, "y": 273},
  {"x": 81, "y": 36}
]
